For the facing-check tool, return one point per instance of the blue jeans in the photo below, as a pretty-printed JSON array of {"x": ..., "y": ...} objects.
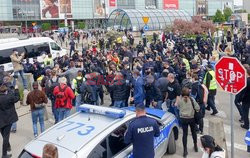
[
  {"x": 14, "y": 126},
  {"x": 23, "y": 79},
  {"x": 38, "y": 114},
  {"x": 78, "y": 102},
  {"x": 54, "y": 111},
  {"x": 119, "y": 104},
  {"x": 159, "y": 104},
  {"x": 211, "y": 102},
  {"x": 63, "y": 113},
  {"x": 172, "y": 108}
]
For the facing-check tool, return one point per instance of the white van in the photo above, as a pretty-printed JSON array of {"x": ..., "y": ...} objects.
[{"x": 32, "y": 47}]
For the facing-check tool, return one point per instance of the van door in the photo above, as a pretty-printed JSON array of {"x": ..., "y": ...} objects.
[{"x": 56, "y": 49}]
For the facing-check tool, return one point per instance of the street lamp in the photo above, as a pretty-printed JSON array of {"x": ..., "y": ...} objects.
[{"x": 65, "y": 15}]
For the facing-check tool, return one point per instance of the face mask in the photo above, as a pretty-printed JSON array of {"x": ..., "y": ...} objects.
[{"x": 16, "y": 53}]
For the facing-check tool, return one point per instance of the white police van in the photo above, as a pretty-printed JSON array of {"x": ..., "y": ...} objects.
[
  {"x": 32, "y": 47},
  {"x": 98, "y": 132}
]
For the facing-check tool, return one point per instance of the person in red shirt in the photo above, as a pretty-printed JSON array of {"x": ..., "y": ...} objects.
[
  {"x": 116, "y": 59},
  {"x": 64, "y": 96}
]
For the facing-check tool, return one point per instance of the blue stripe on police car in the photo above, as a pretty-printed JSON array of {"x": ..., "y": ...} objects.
[{"x": 247, "y": 138}]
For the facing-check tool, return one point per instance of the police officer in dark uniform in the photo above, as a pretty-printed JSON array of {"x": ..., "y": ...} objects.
[{"x": 141, "y": 133}]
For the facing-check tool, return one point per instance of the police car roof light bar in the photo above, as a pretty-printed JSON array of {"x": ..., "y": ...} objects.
[{"x": 109, "y": 112}]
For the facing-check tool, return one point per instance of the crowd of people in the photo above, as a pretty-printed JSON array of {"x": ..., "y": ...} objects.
[{"x": 169, "y": 70}]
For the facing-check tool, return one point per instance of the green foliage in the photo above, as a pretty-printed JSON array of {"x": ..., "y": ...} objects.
[
  {"x": 227, "y": 13},
  {"x": 81, "y": 25},
  {"x": 241, "y": 11},
  {"x": 248, "y": 17},
  {"x": 219, "y": 17},
  {"x": 46, "y": 26},
  {"x": 113, "y": 35},
  {"x": 61, "y": 25}
]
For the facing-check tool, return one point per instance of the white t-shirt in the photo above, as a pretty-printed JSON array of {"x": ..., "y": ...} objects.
[{"x": 216, "y": 154}]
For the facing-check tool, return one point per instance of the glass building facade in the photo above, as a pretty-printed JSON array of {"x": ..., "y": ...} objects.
[
  {"x": 94, "y": 11},
  {"x": 26, "y": 10},
  {"x": 6, "y": 10}
]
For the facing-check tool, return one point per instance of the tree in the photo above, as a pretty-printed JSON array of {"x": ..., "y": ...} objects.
[
  {"x": 196, "y": 26},
  {"x": 46, "y": 26},
  {"x": 219, "y": 17},
  {"x": 61, "y": 25},
  {"x": 81, "y": 25},
  {"x": 227, "y": 13}
]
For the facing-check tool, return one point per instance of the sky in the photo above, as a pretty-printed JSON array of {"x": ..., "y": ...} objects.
[{"x": 238, "y": 2}]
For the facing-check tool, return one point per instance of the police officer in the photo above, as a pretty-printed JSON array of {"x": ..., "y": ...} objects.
[
  {"x": 141, "y": 133},
  {"x": 211, "y": 85}
]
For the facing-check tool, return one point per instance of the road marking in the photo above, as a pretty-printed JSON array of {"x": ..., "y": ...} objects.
[{"x": 227, "y": 130}]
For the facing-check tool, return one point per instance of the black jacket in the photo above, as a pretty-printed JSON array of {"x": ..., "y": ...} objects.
[
  {"x": 246, "y": 92},
  {"x": 8, "y": 113},
  {"x": 119, "y": 90}
]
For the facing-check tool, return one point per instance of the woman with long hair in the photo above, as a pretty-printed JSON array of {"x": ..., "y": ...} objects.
[
  {"x": 187, "y": 107},
  {"x": 210, "y": 148}
]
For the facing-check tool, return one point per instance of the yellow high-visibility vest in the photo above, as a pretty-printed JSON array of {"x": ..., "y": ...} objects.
[{"x": 213, "y": 84}]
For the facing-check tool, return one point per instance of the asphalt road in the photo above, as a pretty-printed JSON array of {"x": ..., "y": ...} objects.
[{"x": 25, "y": 133}]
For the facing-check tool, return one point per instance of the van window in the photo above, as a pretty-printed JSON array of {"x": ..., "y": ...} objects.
[
  {"x": 100, "y": 151},
  {"x": 30, "y": 51},
  {"x": 37, "y": 50},
  {"x": 116, "y": 140},
  {"x": 54, "y": 46},
  {"x": 5, "y": 56},
  {"x": 6, "y": 53},
  {"x": 43, "y": 48}
]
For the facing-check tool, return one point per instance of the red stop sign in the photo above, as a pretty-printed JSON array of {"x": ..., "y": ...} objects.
[{"x": 230, "y": 74}]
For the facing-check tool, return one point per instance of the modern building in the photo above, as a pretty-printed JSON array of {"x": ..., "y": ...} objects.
[
  {"x": 246, "y": 5},
  {"x": 94, "y": 12}
]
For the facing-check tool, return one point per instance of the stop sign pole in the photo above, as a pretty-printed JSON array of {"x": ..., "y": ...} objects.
[{"x": 231, "y": 76}]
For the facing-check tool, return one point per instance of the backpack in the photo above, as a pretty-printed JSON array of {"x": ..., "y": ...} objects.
[
  {"x": 61, "y": 98},
  {"x": 87, "y": 95},
  {"x": 53, "y": 86},
  {"x": 78, "y": 85},
  {"x": 50, "y": 86}
]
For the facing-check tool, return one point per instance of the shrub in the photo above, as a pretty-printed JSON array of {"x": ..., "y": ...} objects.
[
  {"x": 46, "y": 26},
  {"x": 61, "y": 25},
  {"x": 81, "y": 25}
]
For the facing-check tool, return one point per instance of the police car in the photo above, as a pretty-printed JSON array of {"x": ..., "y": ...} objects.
[{"x": 98, "y": 132}]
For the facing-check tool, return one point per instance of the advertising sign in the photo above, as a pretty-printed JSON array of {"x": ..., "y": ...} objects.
[
  {"x": 201, "y": 7},
  {"x": 99, "y": 8},
  {"x": 65, "y": 7},
  {"x": 170, "y": 4},
  {"x": 49, "y": 9},
  {"x": 112, "y": 3},
  {"x": 56, "y": 9}
]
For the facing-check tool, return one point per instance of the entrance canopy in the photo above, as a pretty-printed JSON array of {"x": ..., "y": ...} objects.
[{"x": 132, "y": 19}]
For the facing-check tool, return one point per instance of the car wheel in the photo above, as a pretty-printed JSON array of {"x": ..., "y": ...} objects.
[{"x": 171, "y": 144}]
